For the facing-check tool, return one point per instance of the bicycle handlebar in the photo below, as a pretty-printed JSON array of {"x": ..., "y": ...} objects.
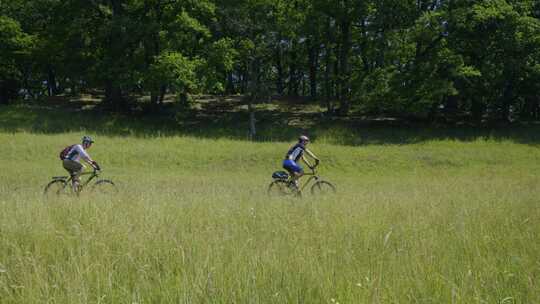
[
  {"x": 95, "y": 171},
  {"x": 313, "y": 171}
]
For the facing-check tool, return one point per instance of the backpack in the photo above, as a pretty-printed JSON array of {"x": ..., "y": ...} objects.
[
  {"x": 280, "y": 175},
  {"x": 65, "y": 151}
]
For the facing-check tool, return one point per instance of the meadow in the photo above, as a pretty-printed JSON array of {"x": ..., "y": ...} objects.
[{"x": 421, "y": 216}]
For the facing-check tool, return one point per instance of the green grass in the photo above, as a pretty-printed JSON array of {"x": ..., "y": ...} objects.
[{"x": 426, "y": 219}]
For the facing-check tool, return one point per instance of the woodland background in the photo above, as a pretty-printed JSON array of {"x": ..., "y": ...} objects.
[{"x": 459, "y": 59}]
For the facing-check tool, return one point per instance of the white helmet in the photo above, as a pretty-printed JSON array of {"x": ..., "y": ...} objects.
[
  {"x": 303, "y": 138},
  {"x": 87, "y": 139}
]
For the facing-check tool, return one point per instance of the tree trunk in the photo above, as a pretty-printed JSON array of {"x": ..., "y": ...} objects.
[
  {"x": 162, "y": 91},
  {"x": 363, "y": 47},
  {"x": 293, "y": 81},
  {"x": 73, "y": 88},
  {"x": 529, "y": 109},
  {"x": 51, "y": 82},
  {"x": 254, "y": 95},
  {"x": 230, "y": 84},
  {"x": 327, "y": 84},
  {"x": 335, "y": 80},
  {"x": 303, "y": 84},
  {"x": 279, "y": 67},
  {"x": 252, "y": 120},
  {"x": 313, "y": 65},
  {"x": 244, "y": 81},
  {"x": 477, "y": 109},
  {"x": 345, "y": 68},
  {"x": 115, "y": 51},
  {"x": 535, "y": 108},
  {"x": 4, "y": 93},
  {"x": 114, "y": 97},
  {"x": 507, "y": 101},
  {"x": 154, "y": 101},
  {"x": 183, "y": 98},
  {"x": 329, "y": 64}
]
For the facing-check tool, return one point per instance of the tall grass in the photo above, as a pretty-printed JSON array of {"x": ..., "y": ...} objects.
[{"x": 440, "y": 221}]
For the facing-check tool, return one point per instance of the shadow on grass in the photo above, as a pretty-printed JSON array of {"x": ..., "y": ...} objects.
[{"x": 229, "y": 122}]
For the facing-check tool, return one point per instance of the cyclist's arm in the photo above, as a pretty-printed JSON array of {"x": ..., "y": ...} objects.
[
  {"x": 312, "y": 156},
  {"x": 92, "y": 163},
  {"x": 88, "y": 159},
  {"x": 304, "y": 159}
]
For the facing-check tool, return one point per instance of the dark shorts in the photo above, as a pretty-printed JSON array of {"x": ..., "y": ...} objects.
[
  {"x": 291, "y": 166},
  {"x": 73, "y": 167}
]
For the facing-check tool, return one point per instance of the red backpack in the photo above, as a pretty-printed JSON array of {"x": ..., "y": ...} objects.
[{"x": 63, "y": 153}]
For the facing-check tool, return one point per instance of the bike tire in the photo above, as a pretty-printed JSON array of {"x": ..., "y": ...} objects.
[
  {"x": 321, "y": 188},
  {"x": 55, "y": 187},
  {"x": 105, "y": 187},
  {"x": 281, "y": 187}
]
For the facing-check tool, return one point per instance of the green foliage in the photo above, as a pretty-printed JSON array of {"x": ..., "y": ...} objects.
[
  {"x": 16, "y": 48},
  {"x": 501, "y": 44},
  {"x": 400, "y": 57},
  {"x": 15, "y": 45},
  {"x": 176, "y": 70},
  {"x": 221, "y": 57}
]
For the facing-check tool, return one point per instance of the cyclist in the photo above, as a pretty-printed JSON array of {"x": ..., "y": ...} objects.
[
  {"x": 71, "y": 160},
  {"x": 296, "y": 153}
]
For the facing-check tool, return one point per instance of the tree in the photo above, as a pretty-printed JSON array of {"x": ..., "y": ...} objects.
[
  {"x": 15, "y": 47},
  {"x": 501, "y": 41}
]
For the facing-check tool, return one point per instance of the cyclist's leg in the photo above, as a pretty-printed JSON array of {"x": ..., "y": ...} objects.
[
  {"x": 297, "y": 174},
  {"x": 75, "y": 169},
  {"x": 294, "y": 170}
]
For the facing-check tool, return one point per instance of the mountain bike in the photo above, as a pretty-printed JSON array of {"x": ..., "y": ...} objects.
[
  {"x": 283, "y": 185},
  {"x": 63, "y": 184}
]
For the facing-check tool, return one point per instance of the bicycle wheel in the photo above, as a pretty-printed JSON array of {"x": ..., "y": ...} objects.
[
  {"x": 56, "y": 187},
  {"x": 104, "y": 186},
  {"x": 322, "y": 188},
  {"x": 281, "y": 187}
]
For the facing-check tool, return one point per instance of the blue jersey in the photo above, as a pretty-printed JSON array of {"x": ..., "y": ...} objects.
[{"x": 295, "y": 152}]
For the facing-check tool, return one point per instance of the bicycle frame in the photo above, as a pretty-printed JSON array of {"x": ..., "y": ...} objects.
[
  {"x": 312, "y": 176},
  {"x": 92, "y": 174}
]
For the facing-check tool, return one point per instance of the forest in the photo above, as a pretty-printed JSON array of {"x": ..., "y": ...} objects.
[{"x": 471, "y": 59}]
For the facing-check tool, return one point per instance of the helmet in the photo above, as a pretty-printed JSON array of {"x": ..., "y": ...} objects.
[
  {"x": 303, "y": 138},
  {"x": 87, "y": 139}
]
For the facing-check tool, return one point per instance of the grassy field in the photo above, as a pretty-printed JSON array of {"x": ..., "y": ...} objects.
[{"x": 422, "y": 216}]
